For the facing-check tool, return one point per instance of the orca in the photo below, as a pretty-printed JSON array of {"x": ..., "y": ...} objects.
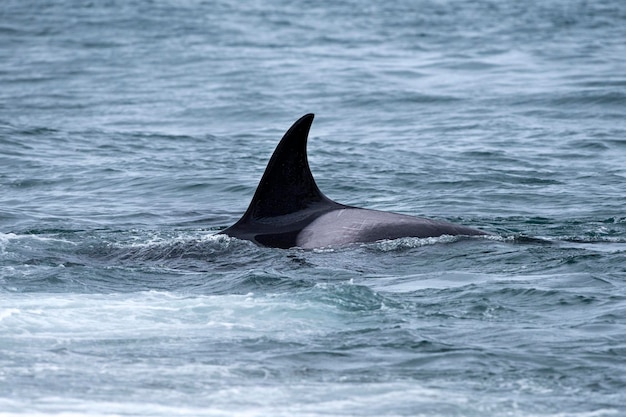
[{"x": 288, "y": 210}]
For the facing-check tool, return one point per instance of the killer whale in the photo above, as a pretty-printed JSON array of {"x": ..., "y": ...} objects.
[{"x": 289, "y": 210}]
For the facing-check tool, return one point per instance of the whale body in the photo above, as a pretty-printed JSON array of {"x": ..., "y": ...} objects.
[{"x": 288, "y": 209}]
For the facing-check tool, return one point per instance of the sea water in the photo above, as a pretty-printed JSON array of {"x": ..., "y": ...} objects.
[{"x": 132, "y": 131}]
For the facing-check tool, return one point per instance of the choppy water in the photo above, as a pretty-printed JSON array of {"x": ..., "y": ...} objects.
[{"x": 132, "y": 131}]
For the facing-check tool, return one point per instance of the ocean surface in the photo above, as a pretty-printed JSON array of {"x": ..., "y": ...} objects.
[{"x": 131, "y": 132}]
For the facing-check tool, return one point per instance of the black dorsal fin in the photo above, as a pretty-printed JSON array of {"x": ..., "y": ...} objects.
[{"x": 287, "y": 186}]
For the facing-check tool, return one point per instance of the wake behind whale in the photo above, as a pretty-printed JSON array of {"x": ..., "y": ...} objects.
[{"x": 289, "y": 210}]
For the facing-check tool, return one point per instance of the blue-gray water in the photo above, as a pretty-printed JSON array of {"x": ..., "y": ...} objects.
[{"x": 132, "y": 131}]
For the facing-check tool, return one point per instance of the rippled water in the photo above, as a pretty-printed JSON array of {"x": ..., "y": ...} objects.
[{"x": 131, "y": 132}]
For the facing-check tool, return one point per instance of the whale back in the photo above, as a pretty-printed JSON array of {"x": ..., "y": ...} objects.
[{"x": 288, "y": 209}]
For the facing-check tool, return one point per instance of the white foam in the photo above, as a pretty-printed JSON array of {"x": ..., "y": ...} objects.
[{"x": 153, "y": 314}]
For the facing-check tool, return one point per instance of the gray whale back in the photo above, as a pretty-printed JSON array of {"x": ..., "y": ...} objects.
[{"x": 289, "y": 210}]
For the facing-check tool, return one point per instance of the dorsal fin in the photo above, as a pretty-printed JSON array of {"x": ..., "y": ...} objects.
[{"x": 287, "y": 186}]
